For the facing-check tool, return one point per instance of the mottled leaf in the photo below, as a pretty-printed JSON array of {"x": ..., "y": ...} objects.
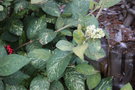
[
  {"x": 46, "y": 37},
  {"x": 16, "y": 27},
  {"x": 56, "y": 85},
  {"x": 73, "y": 80},
  {"x": 51, "y": 7},
  {"x": 36, "y": 26},
  {"x": 39, "y": 57},
  {"x": 40, "y": 83},
  {"x": 20, "y": 5},
  {"x": 16, "y": 78},
  {"x": 57, "y": 64},
  {"x": 64, "y": 45},
  {"x": 14, "y": 87},
  {"x": 79, "y": 8},
  {"x": 105, "y": 84},
  {"x": 12, "y": 63}
]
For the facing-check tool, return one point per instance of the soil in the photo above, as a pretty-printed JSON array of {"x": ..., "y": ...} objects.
[{"x": 120, "y": 47}]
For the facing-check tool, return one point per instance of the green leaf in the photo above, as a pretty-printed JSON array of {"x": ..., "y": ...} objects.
[
  {"x": 93, "y": 80},
  {"x": 78, "y": 36},
  {"x": 16, "y": 78},
  {"x": 36, "y": 26},
  {"x": 95, "y": 44},
  {"x": 105, "y": 84},
  {"x": 95, "y": 55},
  {"x": 108, "y": 3},
  {"x": 1, "y": 85},
  {"x": 57, "y": 64},
  {"x": 39, "y": 57},
  {"x": 86, "y": 69},
  {"x": 92, "y": 4},
  {"x": 7, "y": 3},
  {"x": 64, "y": 45},
  {"x": 77, "y": 61},
  {"x": 33, "y": 7},
  {"x": 16, "y": 27},
  {"x": 20, "y": 5},
  {"x": 33, "y": 45},
  {"x": 80, "y": 50},
  {"x": 46, "y": 37},
  {"x": 13, "y": 87},
  {"x": 51, "y": 8},
  {"x": 79, "y": 8},
  {"x": 40, "y": 83},
  {"x": 94, "y": 50},
  {"x": 88, "y": 20},
  {"x": 51, "y": 19},
  {"x": 12, "y": 63},
  {"x": 3, "y": 51},
  {"x": 56, "y": 85},
  {"x": 127, "y": 87},
  {"x": 1, "y": 8},
  {"x": 59, "y": 23},
  {"x": 22, "y": 38},
  {"x": 66, "y": 32},
  {"x": 9, "y": 37},
  {"x": 29, "y": 69},
  {"x": 3, "y": 15},
  {"x": 71, "y": 22},
  {"x": 67, "y": 11},
  {"x": 73, "y": 80}
]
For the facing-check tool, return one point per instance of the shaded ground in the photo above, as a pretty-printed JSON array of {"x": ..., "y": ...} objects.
[{"x": 120, "y": 47}]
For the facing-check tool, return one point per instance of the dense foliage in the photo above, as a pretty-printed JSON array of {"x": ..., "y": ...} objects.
[{"x": 43, "y": 44}]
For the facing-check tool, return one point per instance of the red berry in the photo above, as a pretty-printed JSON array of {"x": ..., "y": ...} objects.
[{"x": 9, "y": 49}]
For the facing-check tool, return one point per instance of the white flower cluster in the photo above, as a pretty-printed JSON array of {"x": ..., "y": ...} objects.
[{"x": 93, "y": 32}]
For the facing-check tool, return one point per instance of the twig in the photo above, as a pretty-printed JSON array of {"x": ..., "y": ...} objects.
[
  {"x": 63, "y": 28},
  {"x": 31, "y": 41},
  {"x": 93, "y": 11},
  {"x": 42, "y": 2},
  {"x": 100, "y": 10}
]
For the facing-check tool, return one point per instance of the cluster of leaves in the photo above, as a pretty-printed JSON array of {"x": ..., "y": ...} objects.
[{"x": 49, "y": 45}]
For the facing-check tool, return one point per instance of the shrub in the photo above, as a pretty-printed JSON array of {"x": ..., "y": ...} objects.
[{"x": 43, "y": 44}]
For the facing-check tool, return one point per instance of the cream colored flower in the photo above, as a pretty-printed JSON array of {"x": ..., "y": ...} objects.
[{"x": 93, "y": 32}]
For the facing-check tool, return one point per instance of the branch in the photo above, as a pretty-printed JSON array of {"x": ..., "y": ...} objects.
[
  {"x": 63, "y": 28},
  {"x": 31, "y": 41},
  {"x": 100, "y": 11}
]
